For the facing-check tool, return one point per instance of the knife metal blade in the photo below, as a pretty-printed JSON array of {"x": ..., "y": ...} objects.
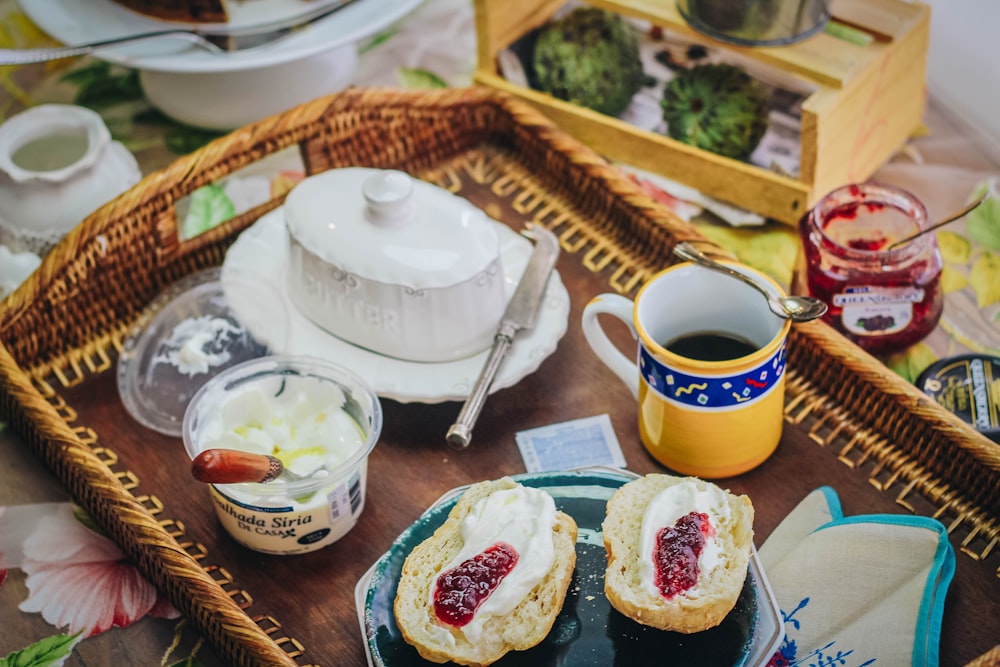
[{"x": 521, "y": 313}]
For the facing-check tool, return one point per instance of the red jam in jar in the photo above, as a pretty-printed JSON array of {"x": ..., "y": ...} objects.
[{"x": 883, "y": 298}]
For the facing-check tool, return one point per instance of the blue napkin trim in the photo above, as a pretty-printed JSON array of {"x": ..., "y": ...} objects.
[
  {"x": 832, "y": 501},
  {"x": 927, "y": 634}
]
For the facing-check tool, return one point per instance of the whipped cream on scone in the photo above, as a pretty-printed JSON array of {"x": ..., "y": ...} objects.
[
  {"x": 521, "y": 518},
  {"x": 492, "y": 579},
  {"x": 678, "y": 551}
]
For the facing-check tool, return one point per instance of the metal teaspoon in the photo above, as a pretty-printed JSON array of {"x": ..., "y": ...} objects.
[
  {"x": 795, "y": 308},
  {"x": 941, "y": 223}
]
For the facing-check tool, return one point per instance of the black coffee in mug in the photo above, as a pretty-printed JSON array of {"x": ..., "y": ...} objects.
[{"x": 711, "y": 346}]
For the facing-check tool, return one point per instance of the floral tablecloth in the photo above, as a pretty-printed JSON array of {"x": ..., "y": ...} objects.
[{"x": 52, "y": 558}]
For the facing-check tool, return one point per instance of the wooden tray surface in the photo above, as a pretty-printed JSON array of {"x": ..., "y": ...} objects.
[{"x": 850, "y": 423}]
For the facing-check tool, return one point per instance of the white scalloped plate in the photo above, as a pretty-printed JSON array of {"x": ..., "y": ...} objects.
[
  {"x": 263, "y": 250},
  {"x": 80, "y": 21}
]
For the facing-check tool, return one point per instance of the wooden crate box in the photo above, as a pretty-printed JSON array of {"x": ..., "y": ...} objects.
[{"x": 866, "y": 100}]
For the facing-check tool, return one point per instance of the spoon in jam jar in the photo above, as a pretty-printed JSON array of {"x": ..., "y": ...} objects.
[
  {"x": 794, "y": 308},
  {"x": 941, "y": 223}
]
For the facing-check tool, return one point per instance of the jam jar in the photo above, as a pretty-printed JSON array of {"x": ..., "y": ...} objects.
[{"x": 884, "y": 298}]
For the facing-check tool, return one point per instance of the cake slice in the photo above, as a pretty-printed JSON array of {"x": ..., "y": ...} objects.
[
  {"x": 518, "y": 549},
  {"x": 187, "y": 11},
  {"x": 678, "y": 551}
]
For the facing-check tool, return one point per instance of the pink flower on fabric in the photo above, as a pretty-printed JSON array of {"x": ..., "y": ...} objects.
[{"x": 81, "y": 579}]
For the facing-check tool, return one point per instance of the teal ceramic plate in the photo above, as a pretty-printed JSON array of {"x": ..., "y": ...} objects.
[{"x": 588, "y": 631}]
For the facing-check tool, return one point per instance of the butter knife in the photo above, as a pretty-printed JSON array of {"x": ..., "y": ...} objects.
[{"x": 521, "y": 313}]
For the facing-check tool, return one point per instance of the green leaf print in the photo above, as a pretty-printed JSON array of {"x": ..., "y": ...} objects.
[
  {"x": 984, "y": 276},
  {"x": 983, "y": 224},
  {"x": 100, "y": 87},
  {"x": 209, "y": 206},
  {"x": 183, "y": 139},
  {"x": 772, "y": 249},
  {"x": 955, "y": 248},
  {"x": 179, "y": 138},
  {"x": 378, "y": 39},
  {"x": 912, "y": 361},
  {"x": 49, "y": 651},
  {"x": 419, "y": 78},
  {"x": 81, "y": 515}
]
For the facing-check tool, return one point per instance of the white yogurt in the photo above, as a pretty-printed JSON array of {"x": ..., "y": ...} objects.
[
  {"x": 664, "y": 510},
  {"x": 319, "y": 420}
]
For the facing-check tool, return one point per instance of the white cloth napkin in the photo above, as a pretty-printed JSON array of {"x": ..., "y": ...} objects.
[{"x": 861, "y": 590}]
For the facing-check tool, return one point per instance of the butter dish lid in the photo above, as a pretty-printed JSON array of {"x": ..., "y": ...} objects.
[
  {"x": 967, "y": 385},
  {"x": 189, "y": 334},
  {"x": 387, "y": 226}
]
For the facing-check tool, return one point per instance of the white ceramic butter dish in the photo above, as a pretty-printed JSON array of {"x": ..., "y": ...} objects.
[{"x": 394, "y": 264}]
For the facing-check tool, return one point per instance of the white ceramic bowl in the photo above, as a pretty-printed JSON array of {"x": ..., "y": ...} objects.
[
  {"x": 321, "y": 419},
  {"x": 58, "y": 163},
  {"x": 394, "y": 264}
]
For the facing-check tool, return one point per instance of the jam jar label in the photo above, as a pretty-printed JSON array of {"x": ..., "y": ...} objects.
[{"x": 876, "y": 311}]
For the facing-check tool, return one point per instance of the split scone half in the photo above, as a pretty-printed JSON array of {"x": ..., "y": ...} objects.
[
  {"x": 491, "y": 579},
  {"x": 678, "y": 551}
]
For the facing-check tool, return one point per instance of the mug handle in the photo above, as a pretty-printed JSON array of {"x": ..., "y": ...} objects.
[{"x": 617, "y": 306}]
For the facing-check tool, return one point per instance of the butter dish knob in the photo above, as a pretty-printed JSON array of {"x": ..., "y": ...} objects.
[
  {"x": 232, "y": 466},
  {"x": 389, "y": 198}
]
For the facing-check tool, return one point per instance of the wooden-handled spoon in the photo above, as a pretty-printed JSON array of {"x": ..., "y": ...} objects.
[{"x": 232, "y": 466}]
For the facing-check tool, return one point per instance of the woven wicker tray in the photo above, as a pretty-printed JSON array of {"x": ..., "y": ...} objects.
[{"x": 851, "y": 423}]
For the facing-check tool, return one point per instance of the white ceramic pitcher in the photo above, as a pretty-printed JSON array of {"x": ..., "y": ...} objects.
[{"x": 58, "y": 163}]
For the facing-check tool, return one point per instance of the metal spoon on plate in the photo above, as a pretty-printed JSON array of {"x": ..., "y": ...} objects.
[{"x": 795, "y": 308}]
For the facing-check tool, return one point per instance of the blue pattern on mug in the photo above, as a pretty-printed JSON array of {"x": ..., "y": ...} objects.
[{"x": 712, "y": 391}]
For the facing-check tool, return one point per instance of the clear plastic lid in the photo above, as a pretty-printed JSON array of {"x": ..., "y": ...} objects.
[{"x": 191, "y": 333}]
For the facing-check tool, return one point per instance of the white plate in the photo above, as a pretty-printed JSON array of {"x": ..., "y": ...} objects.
[
  {"x": 78, "y": 21},
  {"x": 244, "y": 14},
  {"x": 263, "y": 250}
]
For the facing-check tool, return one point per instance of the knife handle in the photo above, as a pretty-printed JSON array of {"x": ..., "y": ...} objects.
[{"x": 460, "y": 434}]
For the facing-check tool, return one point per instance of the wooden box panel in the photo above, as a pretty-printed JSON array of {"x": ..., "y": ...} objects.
[{"x": 867, "y": 100}]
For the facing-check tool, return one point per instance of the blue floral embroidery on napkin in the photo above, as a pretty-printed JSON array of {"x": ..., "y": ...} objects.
[{"x": 824, "y": 656}]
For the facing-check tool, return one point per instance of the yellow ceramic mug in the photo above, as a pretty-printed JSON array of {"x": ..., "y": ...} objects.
[{"x": 710, "y": 378}]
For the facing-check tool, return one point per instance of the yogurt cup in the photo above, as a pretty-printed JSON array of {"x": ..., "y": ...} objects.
[{"x": 320, "y": 419}]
